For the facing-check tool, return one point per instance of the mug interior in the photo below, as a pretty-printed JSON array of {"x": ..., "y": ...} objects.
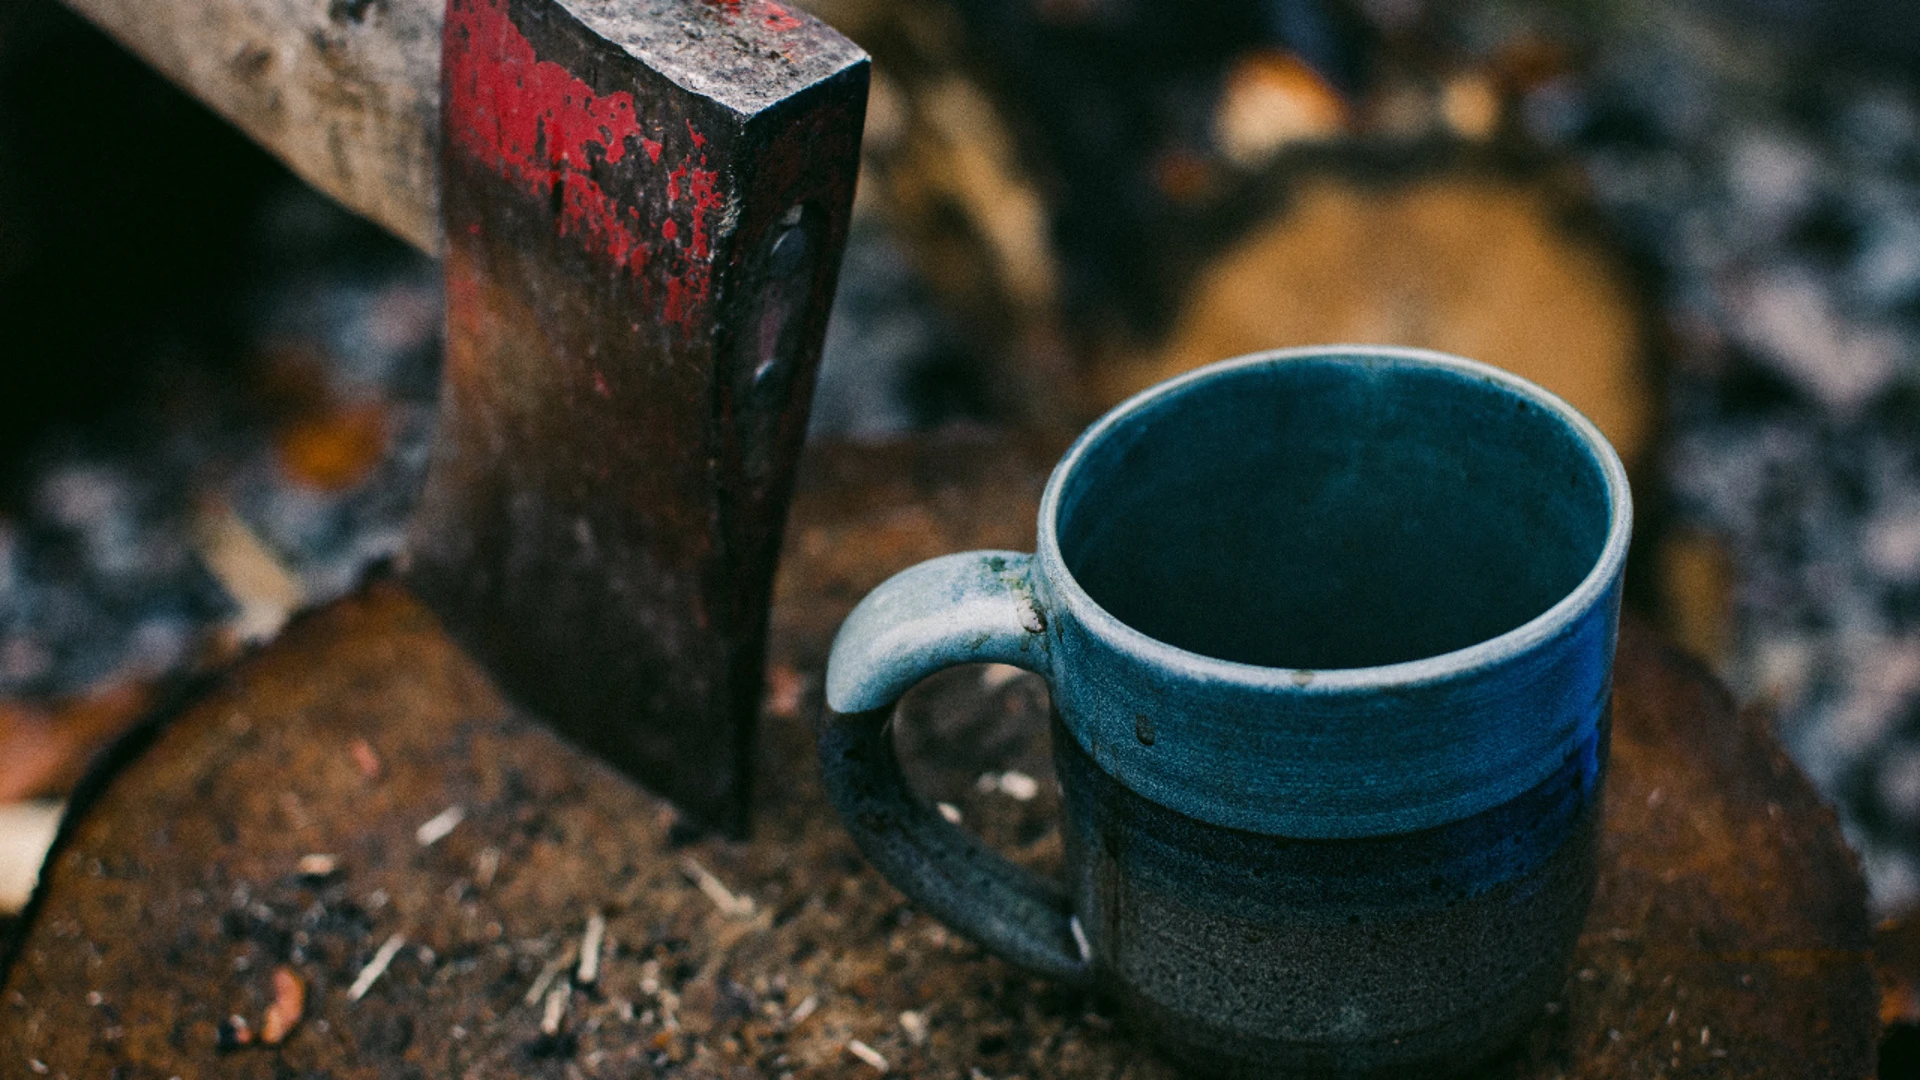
[{"x": 1333, "y": 511}]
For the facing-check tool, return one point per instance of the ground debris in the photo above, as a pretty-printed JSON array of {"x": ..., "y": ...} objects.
[
  {"x": 867, "y": 1054},
  {"x": 289, "y": 1005},
  {"x": 589, "y": 971},
  {"x": 376, "y": 967},
  {"x": 233, "y": 1033},
  {"x": 435, "y": 829},
  {"x": 551, "y": 971},
  {"x": 732, "y": 905},
  {"x": 319, "y": 866},
  {"x": 365, "y": 758},
  {"x": 556, "y": 1011}
]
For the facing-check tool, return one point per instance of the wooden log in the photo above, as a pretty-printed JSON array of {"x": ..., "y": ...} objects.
[
  {"x": 346, "y": 92},
  {"x": 1478, "y": 265},
  {"x": 1728, "y": 937}
]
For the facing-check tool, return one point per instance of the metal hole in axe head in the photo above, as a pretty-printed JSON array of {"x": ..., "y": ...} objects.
[{"x": 645, "y": 203}]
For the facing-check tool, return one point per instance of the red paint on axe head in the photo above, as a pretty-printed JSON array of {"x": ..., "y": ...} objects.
[
  {"x": 541, "y": 128},
  {"x": 532, "y": 122}
]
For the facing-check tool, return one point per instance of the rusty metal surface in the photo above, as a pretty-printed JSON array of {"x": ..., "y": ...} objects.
[
  {"x": 1728, "y": 937},
  {"x": 645, "y": 209}
]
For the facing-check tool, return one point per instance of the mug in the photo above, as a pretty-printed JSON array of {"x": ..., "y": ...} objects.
[{"x": 1329, "y": 637}]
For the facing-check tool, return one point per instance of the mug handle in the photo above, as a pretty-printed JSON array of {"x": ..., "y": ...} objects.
[{"x": 974, "y": 607}]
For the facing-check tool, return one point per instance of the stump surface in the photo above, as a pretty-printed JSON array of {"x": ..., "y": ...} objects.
[{"x": 1728, "y": 938}]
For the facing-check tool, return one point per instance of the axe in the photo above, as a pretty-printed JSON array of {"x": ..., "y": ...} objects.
[{"x": 645, "y": 203}]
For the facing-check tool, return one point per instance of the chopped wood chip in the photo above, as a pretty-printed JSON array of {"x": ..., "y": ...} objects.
[
  {"x": 730, "y": 905},
  {"x": 547, "y": 974},
  {"x": 915, "y": 1025},
  {"x": 365, "y": 759},
  {"x": 948, "y": 811},
  {"x": 1018, "y": 786},
  {"x": 261, "y": 585},
  {"x": 233, "y": 1033},
  {"x": 435, "y": 828},
  {"x": 376, "y": 967},
  {"x": 289, "y": 1004},
  {"x": 26, "y": 832},
  {"x": 1014, "y": 784},
  {"x": 804, "y": 1009},
  {"x": 485, "y": 866},
  {"x": 319, "y": 865},
  {"x": 867, "y": 1054},
  {"x": 556, "y": 1011},
  {"x": 589, "y": 970}
]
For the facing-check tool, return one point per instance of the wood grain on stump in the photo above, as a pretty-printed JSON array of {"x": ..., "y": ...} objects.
[
  {"x": 1728, "y": 937},
  {"x": 1468, "y": 264}
]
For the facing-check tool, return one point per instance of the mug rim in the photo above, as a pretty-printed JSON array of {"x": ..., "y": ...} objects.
[{"x": 1440, "y": 667}]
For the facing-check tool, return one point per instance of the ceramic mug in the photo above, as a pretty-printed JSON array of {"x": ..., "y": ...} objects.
[{"x": 1329, "y": 636}]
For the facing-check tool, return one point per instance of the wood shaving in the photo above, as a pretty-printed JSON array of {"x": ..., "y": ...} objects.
[
  {"x": 319, "y": 865},
  {"x": 435, "y": 829},
  {"x": 1018, "y": 786},
  {"x": 1014, "y": 784},
  {"x": 26, "y": 833},
  {"x": 731, "y": 905},
  {"x": 289, "y": 1005},
  {"x": 867, "y": 1054},
  {"x": 234, "y": 1032},
  {"x": 264, "y": 589},
  {"x": 589, "y": 970},
  {"x": 556, "y": 1010},
  {"x": 365, "y": 759},
  {"x": 485, "y": 866},
  {"x": 376, "y": 967},
  {"x": 547, "y": 974}
]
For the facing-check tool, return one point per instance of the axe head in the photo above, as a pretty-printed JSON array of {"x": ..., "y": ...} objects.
[{"x": 645, "y": 203}]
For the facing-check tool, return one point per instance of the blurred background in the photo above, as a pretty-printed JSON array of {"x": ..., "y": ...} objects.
[{"x": 1699, "y": 222}]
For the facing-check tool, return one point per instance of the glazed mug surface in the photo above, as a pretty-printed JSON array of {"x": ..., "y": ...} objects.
[{"x": 1329, "y": 636}]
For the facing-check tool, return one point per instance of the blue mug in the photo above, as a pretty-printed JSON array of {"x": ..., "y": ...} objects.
[{"x": 1329, "y": 635}]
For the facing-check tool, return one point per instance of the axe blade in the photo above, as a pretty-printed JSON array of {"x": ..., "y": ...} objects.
[{"x": 645, "y": 205}]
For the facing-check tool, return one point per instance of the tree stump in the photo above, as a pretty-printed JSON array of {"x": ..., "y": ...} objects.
[{"x": 470, "y": 851}]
